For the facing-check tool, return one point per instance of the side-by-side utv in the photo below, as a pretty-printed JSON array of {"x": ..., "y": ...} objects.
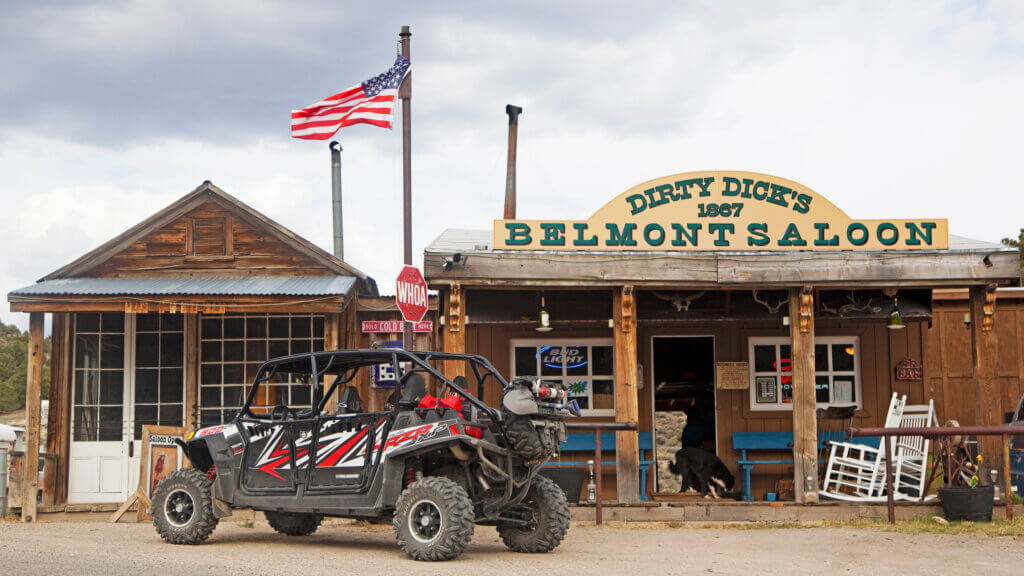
[{"x": 434, "y": 463}]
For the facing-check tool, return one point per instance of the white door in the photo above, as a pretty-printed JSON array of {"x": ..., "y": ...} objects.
[
  {"x": 98, "y": 470},
  {"x": 157, "y": 376}
]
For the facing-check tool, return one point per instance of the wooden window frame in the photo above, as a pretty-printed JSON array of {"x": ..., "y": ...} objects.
[
  {"x": 589, "y": 343},
  {"x": 777, "y": 341}
]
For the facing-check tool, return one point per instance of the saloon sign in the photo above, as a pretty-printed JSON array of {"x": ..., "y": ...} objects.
[{"x": 721, "y": 211}]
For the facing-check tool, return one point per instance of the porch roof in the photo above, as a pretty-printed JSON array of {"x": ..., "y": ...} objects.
[
  {"x": 966, "y": 262},
  {"x": 195, "y": 286}
]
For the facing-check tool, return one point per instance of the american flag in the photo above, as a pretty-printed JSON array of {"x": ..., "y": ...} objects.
[{"x": 371, "y": 102}]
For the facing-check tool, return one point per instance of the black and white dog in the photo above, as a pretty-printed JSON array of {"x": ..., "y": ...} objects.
[{"x": 701, "y": 470}]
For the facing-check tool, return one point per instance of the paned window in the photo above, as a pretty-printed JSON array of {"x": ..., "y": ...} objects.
[
  {"x": 159, "y": 370},
  {"x": 586, "y": 366},
  {"x": 232, "y": 347},
  {"x": 836, "y": 372},
  {"x": 98, "y": 410}
]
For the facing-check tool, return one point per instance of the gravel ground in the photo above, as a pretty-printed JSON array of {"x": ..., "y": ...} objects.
[{"x": 83, "y": 549}]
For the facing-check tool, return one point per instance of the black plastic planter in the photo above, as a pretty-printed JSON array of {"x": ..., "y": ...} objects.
[{"x": 965, "y": 503}]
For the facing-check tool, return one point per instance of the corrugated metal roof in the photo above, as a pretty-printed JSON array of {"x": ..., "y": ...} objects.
[
  {"x": 207, "y": 286},
  {"x": 468, "y": 241}
]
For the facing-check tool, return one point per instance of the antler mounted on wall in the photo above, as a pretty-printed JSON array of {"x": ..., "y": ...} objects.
[
  {"x": 681, "y": 302},
  {"x": 773, "y": 309}
]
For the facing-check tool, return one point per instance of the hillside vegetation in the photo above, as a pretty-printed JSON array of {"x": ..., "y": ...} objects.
[{"x": 14, "y": 367}]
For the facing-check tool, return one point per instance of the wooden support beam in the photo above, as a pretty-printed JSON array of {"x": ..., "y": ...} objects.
[
  {"x": 33, "y": 406},
  {"x": 455, "y": 330},
  {"x": 805, "y": 423},
  {"x": 191, "y": 371},
  {"x": 985, "y": 355},
  {"x": 627, "y": 452},
  {"x": 334, "y": 334},
  {"x": 58, "y": 422}
]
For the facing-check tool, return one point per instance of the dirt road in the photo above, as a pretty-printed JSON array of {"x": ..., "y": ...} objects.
[{"x": 83, "y": 549}]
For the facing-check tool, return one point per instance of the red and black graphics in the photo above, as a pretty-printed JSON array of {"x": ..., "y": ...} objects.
[{"x": 336, "y": 450}]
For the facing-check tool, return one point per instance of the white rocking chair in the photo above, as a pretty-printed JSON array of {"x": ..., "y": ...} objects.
[
  {"x": 856, "y": 472},
  {"x": 911, "y": 460}
]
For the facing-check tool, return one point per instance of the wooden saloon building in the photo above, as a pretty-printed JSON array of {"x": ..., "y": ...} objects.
[
  {"x": 165, "y": 325},
  {"x": 741, "y": 302}
]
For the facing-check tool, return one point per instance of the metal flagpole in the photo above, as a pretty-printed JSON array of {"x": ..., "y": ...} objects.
[
  {"x": 405, "y": 93},
  {"x": 339, "y": 236}
]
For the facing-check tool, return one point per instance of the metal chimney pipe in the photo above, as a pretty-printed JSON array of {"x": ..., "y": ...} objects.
[
  {"x": 339, "y": 234},
  {"x": 510, "y": 176}
]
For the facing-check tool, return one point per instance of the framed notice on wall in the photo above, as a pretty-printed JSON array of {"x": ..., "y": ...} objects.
[
  {"x": 767, "y": 389},
  {"x": 732, "y": 375}
]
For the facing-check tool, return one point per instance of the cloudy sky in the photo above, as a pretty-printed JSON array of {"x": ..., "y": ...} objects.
[{"x": 110, "y": 111}]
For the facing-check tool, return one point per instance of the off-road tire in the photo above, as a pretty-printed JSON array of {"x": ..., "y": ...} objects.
[
  {"x": 551, "y": 513},
  {"x": 201, "y": 522},
  {"x": 291, "y": 524},
  {"x": 523, "y": 437},
  {"x": 455, "y": 511}
]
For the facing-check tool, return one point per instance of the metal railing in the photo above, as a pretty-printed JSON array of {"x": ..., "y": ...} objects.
[
  {"x": 598, "y": 428},
  {"x": 944, "y": 432}
]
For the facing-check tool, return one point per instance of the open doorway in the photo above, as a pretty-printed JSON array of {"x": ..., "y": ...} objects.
[{"x": 684, "y": 400}]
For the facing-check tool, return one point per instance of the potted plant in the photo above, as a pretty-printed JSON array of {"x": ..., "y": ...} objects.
[{"x": 971, "y": 502}]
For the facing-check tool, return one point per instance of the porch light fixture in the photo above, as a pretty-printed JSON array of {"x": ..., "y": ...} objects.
[
  {"x": 544, "y": 320},
  {"x": 785, "y": 320},
  {"x": 895, "y": 320}
]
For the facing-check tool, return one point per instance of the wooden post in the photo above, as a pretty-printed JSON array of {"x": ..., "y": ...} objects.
[
  {"x": 333, "y": 341},
  {"x": 985, "y": 354},
  {"x": 58, "y": 423},
  {"x": 191, "y": 379},
  {"x": 33, "y": 406},
  {"x": 627, "y": 452},
  {"x": 805, "y": 423},
  {"x": 455, "y": 331}
]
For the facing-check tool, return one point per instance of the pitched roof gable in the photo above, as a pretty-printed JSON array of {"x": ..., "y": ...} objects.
[{"x": 207, "y": 192}]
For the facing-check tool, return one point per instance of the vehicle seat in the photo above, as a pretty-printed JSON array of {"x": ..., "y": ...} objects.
[
  {"x": 349, "y": 401},
  {"x": 413, "y": 390}
]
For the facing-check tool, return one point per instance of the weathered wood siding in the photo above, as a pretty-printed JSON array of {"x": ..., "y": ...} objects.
[{"x": 213, "y": 239}]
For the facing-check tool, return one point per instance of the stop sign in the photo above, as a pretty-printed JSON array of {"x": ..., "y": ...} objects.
[{"x": 411, "y": 294}]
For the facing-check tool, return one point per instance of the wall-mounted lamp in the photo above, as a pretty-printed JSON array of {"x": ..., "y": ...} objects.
[
  {"x": 967, "y": 318},
  {"x": 456, "y": 258},
  {"x": 895, "y": 319},
  {"x": 785, "y": 320},
  {"x": 543, "y": 319}
]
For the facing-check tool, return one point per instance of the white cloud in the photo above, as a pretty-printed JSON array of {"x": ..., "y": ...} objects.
[{"x": 902, "y": 110}]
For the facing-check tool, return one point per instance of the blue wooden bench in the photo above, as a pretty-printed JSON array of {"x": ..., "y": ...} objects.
[
  {"x": 584, "y": 442},
  {"x": 744, "y": 442}
]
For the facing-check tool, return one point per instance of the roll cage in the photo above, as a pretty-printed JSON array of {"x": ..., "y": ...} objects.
[{"x": 345, "y": 365}]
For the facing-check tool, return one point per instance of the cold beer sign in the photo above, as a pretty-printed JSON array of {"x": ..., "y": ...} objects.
[
  {"x": 721, "y": 211},
  {"x": 411, "y": 294}
]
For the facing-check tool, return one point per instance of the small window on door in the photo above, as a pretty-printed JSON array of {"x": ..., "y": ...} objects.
[
  {"x": 159, "y": 370},
  {"x": 98, "y": 410}
]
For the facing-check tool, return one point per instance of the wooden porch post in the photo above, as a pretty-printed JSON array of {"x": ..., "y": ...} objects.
[
  {"x": 455, "y": 331},
  {"x": 58, "y": 424},
  {"x": 191, "y": 380},
  {"x": 333, "y": 337},
  {"x": 805, "y": 423},
  {"x": 985, "y": 355},
  {"x": 33, "y": 406},
  {"x": 627, "y": 453}
]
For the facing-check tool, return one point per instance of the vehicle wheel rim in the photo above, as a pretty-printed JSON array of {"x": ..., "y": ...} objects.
[
  {"x": 180, "y": 508},
  {"x": 425, "y": 521}
]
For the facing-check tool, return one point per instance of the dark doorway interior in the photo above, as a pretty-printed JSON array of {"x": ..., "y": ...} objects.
[{"x": 684, "y": 400}]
